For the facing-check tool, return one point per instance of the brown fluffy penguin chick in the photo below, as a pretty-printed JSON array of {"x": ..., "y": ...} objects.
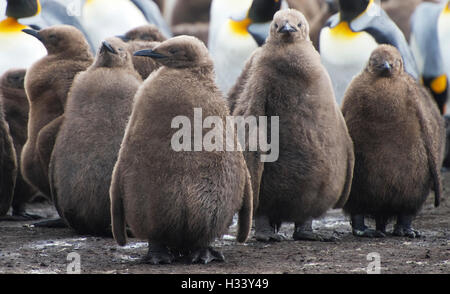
[
  {"x": 191, "y": 11},
  {"x": 47, "y": 83},
  {"x": 398, "y": 136},
  {"x": 15, "y": 104},
  {"x": 179, "y": 201},
  {"x": 8, "y": 164},
  {"x": 314, "y": 169},
  {"x": 98, "y": 107},
  {"x": 143, "y": 37}
]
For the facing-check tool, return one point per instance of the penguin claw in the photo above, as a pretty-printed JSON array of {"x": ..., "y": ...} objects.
[
  {"x": 369, "y": 233},
  {"x": 406, "y": 232},
  {"x": 269, "y": 237},
  {"x": 205, "y": 256},
  {"x": 158, "y": 255}
]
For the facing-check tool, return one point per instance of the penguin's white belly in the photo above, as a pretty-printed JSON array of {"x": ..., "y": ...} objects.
[
  {"x": 345, "y": 57},
  {"x": 221, "y": 11},
  {"x": 230, "y": 56},
  {"x": 103, "y": 19},
  {"x": 19, "y": 50},
  {"x": 444, "y": 39}
]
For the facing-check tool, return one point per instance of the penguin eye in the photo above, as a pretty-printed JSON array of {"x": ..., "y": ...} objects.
[
  {"x": 276, "y": 26},
  {"x": 300, "y": 25},
  {"x": 173, "y": 51}
]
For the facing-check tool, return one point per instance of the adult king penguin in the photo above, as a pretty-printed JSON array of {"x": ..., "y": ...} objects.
[
  {"x": 231, "y": 42},
  {"x": 17, "y": 49},
  {"x": 107, "y": 18},
  {"x": 426, "y": 48},
  {"x": 444, "y": 36},
  {"x": 350, "y": 36}
]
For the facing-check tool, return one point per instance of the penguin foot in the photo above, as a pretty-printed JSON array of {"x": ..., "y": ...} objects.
[
  {"x": 205, "y": 256},
  {"x": 51, "y": 223},
  {"x": 368, "y": 233},
  {"x": 406, "y": 232},
  {"x": 269, "y": 237},
  {"x": 20, "y": 217},
  {"x": 158, "y": 254},
  {"x": 311, "y": 236}
]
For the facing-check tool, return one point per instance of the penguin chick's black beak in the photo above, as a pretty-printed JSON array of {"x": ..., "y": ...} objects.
[
  {"x": 149, "y": 53},
  {"x": 123, "y": 38},
  {"x": 108, "y": 47},
  {"x": 385, "y": 68},
  {"x": 33, "y": 33},
  {"x": 287, "y": 29}
]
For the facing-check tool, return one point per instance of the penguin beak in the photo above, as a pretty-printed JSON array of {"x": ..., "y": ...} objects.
[
  {"x": 149, "y": 53},
  {"x": 287, "y": 29},
  {"x": 108, "y": 47},
  {"x": 33, "y": 33},
  {"x": 123, "y": 38},
  {"x": 386, "y": 67},
  {"x": 259, "y": 32}
]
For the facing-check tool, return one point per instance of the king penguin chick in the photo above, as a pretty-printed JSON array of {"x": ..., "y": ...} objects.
[
  {"x": 8, "y": 164},
  {"x": 143, "y": 37},
  {"x": 107, "y": 18},
  {"x": 314, "y": 169},
  {"x": 18, "y": 50},
  {"x": 98, "y": 107},
  {"x": 178, "y": 200},
  {"x": 15, "y": 104},
  {"x": 398, "y": 136},
  {"x": 233, "y": 43},
  {"x": 47, "y": 83},
  {"x": 350, "y": 36},
  {"x": 426, "y": 48}
]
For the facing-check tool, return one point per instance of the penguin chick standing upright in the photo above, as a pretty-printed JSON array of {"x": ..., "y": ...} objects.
[
  {"x": 8, "y": 164},
  {"x": 398, "y": 136},
  {"x": 179, "y": 200},
  {"x": 16, "y": 108},
  {"x": 350, "y": 36},
  {"x": 47, "y": 84},
  {"x": 143, "y": 37},
  {"x": 314, "y": 170},
  {"x": 98, "y": 107}
]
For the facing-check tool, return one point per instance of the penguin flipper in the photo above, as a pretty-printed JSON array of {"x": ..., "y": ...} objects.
[
  {"x": 8, "y": 169},
  {"x": 246, "y": 211},
  {"x": 153, "y": 15},
  {"x": 117, "y": 210},
  {"x": 434, "y": 150}
]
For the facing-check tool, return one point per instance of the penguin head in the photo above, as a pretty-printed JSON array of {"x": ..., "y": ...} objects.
[
  {"x": 22, "y": 8},
  {"x": 61, "y": 40},
  {"x": 14, "y": 79},
  {"x": 148, "y": 33},
  {"x": 351, "y": 9},
  {"x": 289, "y": 25},
  {"x": 385, "y": 61},
  {"x": 113, "y": 52},
  {"x": 179, "y": 52}
]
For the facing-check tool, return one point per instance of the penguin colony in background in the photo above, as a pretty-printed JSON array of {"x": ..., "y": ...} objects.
[{"x": 359, "y": 111}]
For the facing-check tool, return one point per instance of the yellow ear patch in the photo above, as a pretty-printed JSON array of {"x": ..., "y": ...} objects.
[
  {"x": 240, "y": 27},
  {"x": 10, "y": 25},
  {"x": 447, "y": 8},
  {"x": 39, "y": 8},
  {"x": 439, "y": 84},
  {"x": 343, "y": 31}
]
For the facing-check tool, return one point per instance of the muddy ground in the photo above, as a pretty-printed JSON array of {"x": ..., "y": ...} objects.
[{"x": 26, "y": 249}]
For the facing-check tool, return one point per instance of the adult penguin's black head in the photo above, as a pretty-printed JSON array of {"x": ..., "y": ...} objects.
[
  {"x": 22, "y": 8},
  {"x": 262, "y": 11},
  {"x": 350, "y": 9}
]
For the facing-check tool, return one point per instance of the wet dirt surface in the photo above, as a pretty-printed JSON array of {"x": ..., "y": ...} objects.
[{"x": 26, "y": 249}]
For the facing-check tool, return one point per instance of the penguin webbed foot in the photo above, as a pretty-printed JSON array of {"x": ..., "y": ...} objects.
[
  {"x": 158, "y": 254},
  {"x": 368, "y": 233},
  {"x": 57, "y": 223},
  {"x": 205, "y": 256},
  {"x": 403, "y": 228},
  {"x": 359, "y": 229},
  {"x": 20, "y": 216},
  {"x": 265, "y": 231},
  {"x": 304, "y": 232}
]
